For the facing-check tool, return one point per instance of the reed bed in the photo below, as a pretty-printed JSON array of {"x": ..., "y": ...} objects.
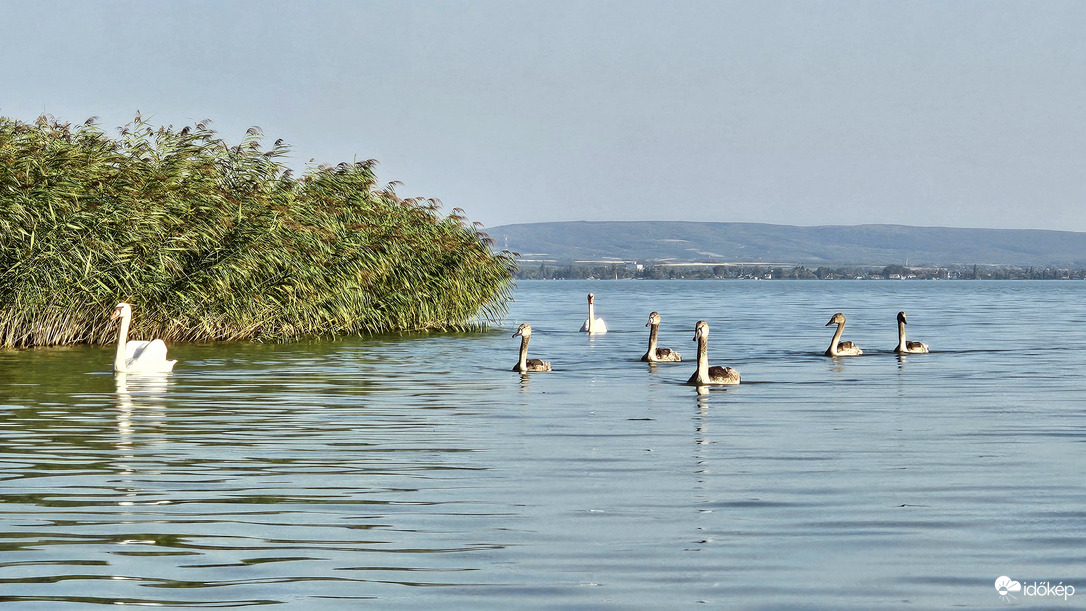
[{"x": 212, "y": 241}]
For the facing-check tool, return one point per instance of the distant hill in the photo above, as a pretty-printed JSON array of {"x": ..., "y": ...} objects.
[{"x": 679, "y": 242}]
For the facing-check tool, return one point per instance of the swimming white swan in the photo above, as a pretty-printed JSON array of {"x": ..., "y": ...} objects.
[
  {"x": 526, "y": 364},
  {"x": 654, "y": 354},
  {"x": 704, "y": 373},
  {"x": 138, "y": 356},
  {"x": 904, "y": 346},
  {"x": 593, "y": 324},
  {"x": 837, "y": 347}
]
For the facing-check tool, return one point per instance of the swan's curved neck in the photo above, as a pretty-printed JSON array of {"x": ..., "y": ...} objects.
[
  {"x": 836, "y": 338},
  {"x": 119, "y": 363},
  {"x": 901, "y": 345},
  {"x": 653, "y": 330},
  {"x": 703, "y": 359},
  {"x": 522, "y": 364}
]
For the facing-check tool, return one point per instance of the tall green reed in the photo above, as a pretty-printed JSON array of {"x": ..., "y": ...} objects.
[{"x": 213, "y": 241}]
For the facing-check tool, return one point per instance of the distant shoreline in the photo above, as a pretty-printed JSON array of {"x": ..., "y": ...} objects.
[
  {"x": 687, "y": 244},
  {"x": 537, "y": 270}
]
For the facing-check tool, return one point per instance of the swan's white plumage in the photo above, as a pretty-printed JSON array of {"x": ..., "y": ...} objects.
[
  {"x": 593, "y": 324},
  {"x": 143, "y": 351},
  {"x": 137, "y": 356}
]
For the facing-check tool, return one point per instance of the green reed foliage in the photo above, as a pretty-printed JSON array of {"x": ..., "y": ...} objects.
[{"x": 217, "y": 242}]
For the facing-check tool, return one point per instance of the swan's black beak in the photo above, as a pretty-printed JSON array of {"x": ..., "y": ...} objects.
[{"x": 830, "y": 324}]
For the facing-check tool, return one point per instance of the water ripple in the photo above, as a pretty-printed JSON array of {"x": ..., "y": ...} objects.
[{"x": 419, "y": 472}]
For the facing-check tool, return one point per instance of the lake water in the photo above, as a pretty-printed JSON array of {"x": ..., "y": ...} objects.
[{"x": 419, "y": 472}]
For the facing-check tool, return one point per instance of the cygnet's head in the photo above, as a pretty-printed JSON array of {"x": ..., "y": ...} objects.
[
  {"x": 524, "y": 330},
  {"x": 654, "y": 319},
  {"x": 701, "y": 330},
  {"x": 838, "y": 319}
]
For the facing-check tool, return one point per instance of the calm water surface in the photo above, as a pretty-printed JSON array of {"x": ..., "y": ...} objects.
[{"x": 419, "y": 472}]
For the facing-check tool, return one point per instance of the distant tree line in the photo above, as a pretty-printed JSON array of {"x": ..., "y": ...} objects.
[{"x": 620, "y": 271}]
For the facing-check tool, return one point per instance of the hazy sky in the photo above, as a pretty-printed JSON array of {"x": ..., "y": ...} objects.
[{"x": 968, "y": 114}]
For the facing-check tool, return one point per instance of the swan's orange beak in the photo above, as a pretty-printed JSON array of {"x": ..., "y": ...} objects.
[{"x": 116, "y": 314}]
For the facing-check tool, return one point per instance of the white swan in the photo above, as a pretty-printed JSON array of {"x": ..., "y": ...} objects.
[
  {"x": 138, "y": 356},
  {"x": 654, "y": 354},
  {"x": 593, "y": 324},
  {"x": 905, "y": 346},
  {"x": 705, "y": 374},
  {"x": 526, "y": 364},
  {"x": 837, "y": 347}
]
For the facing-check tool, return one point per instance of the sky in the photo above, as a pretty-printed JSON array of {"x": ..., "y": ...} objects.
[{"x": 958, "y": 114}]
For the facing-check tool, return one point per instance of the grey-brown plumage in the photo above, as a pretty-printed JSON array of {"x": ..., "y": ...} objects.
[
  {"x": 904, "y": 346},
  {"x": 705, "y": 374},
  {"x": 654, "y": 354},
  {"x": 526, "y": 364},
  {"x": 837, "y": 347}
]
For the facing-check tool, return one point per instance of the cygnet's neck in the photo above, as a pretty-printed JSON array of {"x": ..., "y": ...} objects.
[
  {"x": 836, "y": 338},
  {"x": 523, "y": 362},
  {"x": 703, "y": 358},
  {"x": 653, "y": 330}
]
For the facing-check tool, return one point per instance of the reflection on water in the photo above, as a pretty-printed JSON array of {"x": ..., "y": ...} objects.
[
  {"x": 141, "y": 414},
  {"x": 420, "y": 472}
]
